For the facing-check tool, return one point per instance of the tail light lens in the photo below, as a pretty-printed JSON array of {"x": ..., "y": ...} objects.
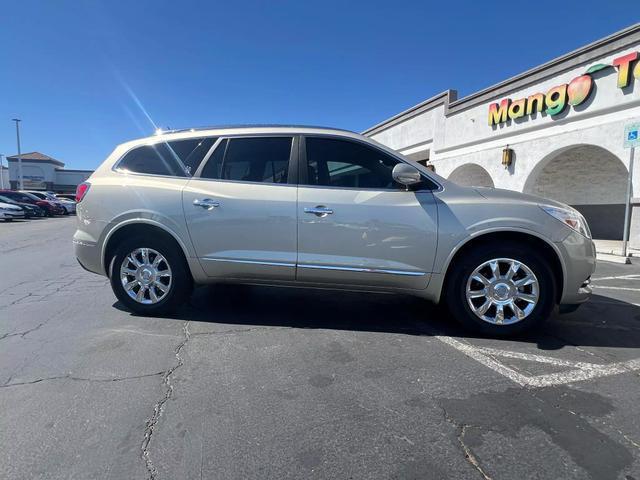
[
  {"x": 43, "y": 203},
  {"x": 81, "y": 191}
]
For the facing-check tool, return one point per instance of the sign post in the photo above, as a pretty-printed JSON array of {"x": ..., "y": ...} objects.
[{"x": 631, "y": 141}]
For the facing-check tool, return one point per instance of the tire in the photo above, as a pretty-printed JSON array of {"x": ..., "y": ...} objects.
[
  {"x": 542, "y": 283},
  {"x": 179, "y": 284},
  {"x": 66, "y": 212}
]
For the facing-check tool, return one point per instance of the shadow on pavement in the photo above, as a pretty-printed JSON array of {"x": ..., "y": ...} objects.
[{"x": 602, "y": 321}]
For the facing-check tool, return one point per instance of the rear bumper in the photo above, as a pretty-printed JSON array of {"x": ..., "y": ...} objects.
[
  {"x": 88, "y": 255},
  {"x": 579, "y": 259}
]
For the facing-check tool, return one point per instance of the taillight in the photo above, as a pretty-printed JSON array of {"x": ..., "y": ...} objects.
[
  {"x": 42, "y": 203},
  {"x": 81, "y": 191}
]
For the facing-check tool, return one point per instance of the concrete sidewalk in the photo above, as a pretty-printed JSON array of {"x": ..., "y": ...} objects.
[{"x": 611, "y": 251}]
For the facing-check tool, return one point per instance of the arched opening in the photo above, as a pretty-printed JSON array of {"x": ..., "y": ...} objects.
[
  {"x": 471, "y": 175},
  {"x": 590, "y": 179}
]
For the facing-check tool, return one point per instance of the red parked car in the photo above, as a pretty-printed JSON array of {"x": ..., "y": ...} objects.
[{"x": 50, "y": 208}]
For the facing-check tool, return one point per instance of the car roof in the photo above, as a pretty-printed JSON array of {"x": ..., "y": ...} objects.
[{"x": 258, "y": 129}]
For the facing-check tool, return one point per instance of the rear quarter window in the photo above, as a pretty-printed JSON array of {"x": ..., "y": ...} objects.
[{"x": 179, "y": 158}]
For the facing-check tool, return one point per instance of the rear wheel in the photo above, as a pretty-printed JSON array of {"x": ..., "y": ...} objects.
[
  {"x": 501, "y": 290},
  {"x": 150, "y": 275}
]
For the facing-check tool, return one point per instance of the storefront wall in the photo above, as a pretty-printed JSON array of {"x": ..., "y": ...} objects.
[{"x": 575, "y": 156}]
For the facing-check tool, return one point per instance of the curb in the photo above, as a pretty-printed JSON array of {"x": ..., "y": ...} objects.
[{"x": 608, "y": 257}]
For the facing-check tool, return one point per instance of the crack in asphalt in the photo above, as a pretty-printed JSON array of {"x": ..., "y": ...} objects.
[
  {"x": 26, "y": 332},
  {"x": 79, "y": 379},
  {"x": 468, "y": 454},
  {"x": 228, "y": 332},
  {"x": 159, "y": 406}
]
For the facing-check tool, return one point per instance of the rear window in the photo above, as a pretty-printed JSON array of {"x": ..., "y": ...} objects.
[{"x": 179, "y": 158}]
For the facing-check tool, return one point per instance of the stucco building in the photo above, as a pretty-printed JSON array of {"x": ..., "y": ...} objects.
[
  {"x": 42, "y": 172},
  {"x": 563, "y": 123}
]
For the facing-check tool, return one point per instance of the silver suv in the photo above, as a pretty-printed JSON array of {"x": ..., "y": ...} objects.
[{"x": 306, "y": 206}]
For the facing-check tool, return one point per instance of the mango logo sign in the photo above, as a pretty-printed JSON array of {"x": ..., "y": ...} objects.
[{"x": 556, "y": 99}]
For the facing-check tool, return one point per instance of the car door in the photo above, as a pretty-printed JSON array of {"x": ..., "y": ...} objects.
[
  {"x": 356, "y": 225},
  {"x": 240, "y": 208}
]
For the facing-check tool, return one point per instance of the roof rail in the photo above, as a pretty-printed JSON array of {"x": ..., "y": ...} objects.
[{"x": 248, "y": 125}]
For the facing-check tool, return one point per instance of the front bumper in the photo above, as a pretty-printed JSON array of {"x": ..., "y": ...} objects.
[
  {"x": 11, "y": 215},
  {"x": 579, "y": 262}
]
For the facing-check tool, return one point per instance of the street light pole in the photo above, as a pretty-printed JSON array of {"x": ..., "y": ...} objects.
[
  {"x": 1, "y": 173},
  {"x": 627, "y": 205},
  {"x": 21, "y": 183}
]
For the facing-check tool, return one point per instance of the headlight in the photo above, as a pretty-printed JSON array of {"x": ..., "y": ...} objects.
[{"x": 570, "y": 217}]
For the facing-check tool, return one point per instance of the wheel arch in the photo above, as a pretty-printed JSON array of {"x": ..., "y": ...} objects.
[
  {"x": 137, "y": 227},
  {"x": 534, "y": 240}
]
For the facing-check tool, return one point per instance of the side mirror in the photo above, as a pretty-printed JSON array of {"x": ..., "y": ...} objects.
[{"x": 406, "y": 175}]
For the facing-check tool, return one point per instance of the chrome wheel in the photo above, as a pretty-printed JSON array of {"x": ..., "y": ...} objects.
[
  {"x": 502, "y": 291},
  {"x": 146, "y": 276}
]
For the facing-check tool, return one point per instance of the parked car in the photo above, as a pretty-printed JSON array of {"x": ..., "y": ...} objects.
[
  {"x": 63, "y": 208},
  {"x": 305, "y": 206},
  {"x": 68, "y": 196},
  {"x": 10, "y": 212},
  {"x": 49, "y": 207},
  {"x": 29, "y": 210},
  {"x": 68, "y": 200},
  {"x": 67, "y": 203}
]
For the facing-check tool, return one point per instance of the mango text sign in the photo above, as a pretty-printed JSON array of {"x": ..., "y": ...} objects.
[{"x": 557, "y": 98}]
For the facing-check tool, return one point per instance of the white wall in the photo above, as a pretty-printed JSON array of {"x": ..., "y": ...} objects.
[{"x": 70, "y": 177}]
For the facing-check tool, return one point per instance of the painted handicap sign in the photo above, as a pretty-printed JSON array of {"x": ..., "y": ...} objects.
[{"x": 631, "y": 135}]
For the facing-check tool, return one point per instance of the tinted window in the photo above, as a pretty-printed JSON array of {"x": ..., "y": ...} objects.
[
  {"x": 192, "y": 151},
  {"x": 341, "y": 163},
  {"x": 41, "y": 196},
  {"x": 21, "y": 197},
  {"x": 250, "y": 160},
  {"x": 178, "y": 158}
]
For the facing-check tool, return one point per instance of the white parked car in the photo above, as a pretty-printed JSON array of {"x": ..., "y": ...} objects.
[
  {"x": 69, "y": 206},
  {"x": 306, "y": 206},
  {"x": 9, "y": 212}
]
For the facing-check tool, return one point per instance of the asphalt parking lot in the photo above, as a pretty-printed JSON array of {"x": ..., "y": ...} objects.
[{"x": 261, "y": 383}]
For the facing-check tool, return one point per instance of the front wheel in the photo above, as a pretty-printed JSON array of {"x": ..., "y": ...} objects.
[
  {"x": 150, "y": 276},
  {"x": 501, "y": 291}
]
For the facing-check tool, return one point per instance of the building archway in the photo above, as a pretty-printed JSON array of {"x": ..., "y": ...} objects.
[
  {"x": 471, "y": 175},
  {"x": 590, "y": 179}
]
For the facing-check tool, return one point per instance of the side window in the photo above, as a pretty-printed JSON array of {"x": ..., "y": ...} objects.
[
  {"x": 192, "y": 151},
  {"x": 263, "y": 160},
  {"x": 342, "y": 163},
  {"x": 178, "y": 158}
]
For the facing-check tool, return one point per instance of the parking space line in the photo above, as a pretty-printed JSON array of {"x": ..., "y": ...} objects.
[
  {"x": 617, "y": 288},
  {"x": 494, "y": 365},
  {"x": 634, "y": 276},
  {"x": 579, "y": 371}
]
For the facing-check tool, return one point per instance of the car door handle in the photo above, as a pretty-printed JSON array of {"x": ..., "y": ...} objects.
[
  {"x": 206, "y": 203},
  {"x": 320, "y": 211}
]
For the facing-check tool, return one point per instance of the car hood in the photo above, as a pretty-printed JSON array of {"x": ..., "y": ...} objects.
[{"x": 498, "y": 194}]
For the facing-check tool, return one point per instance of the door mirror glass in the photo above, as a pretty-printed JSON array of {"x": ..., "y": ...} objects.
[{"x": 406, "y": 175}]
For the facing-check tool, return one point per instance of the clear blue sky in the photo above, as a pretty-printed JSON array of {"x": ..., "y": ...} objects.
[{"x": 72, "y": 70}]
